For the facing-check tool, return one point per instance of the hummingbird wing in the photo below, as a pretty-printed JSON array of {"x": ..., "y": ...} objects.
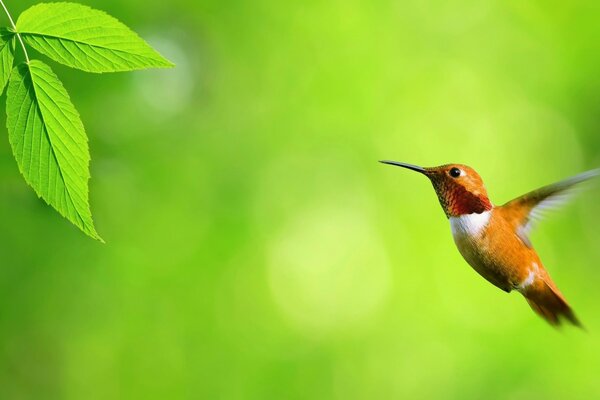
[{"x": 530, "y": 208}]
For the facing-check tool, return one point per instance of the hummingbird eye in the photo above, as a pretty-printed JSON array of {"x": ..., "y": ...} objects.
[{"x": 455, "y": 172}]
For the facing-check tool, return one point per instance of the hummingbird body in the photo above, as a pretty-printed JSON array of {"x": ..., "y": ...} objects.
[
  {"x": 491, "y": 247},
  {"x": 494, "y": 239}
]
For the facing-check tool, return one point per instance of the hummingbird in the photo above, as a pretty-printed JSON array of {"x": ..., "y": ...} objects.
[{"x": 494, "y": 240}]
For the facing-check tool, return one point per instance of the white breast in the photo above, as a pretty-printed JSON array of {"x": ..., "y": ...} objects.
[{"x": 469, "y": 224}]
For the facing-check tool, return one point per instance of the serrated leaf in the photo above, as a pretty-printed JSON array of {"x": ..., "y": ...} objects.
[
  {"x": 87, "y": 39},
  {"x": 49, "y": 142},
  {"x": 7, "y": 56}
]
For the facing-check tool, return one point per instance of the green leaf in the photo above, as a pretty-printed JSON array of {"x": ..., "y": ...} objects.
[
  {"x": 7, "y": 56},
  {"x": 49, "y": 142},
  {"x": 87, "y": 39}
]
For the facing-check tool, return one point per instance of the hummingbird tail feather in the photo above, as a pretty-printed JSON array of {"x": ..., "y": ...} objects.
[{"x": 548, "y": 303}]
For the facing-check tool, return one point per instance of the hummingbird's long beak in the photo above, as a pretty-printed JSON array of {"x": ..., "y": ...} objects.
[{"x": 405, "y": 165}]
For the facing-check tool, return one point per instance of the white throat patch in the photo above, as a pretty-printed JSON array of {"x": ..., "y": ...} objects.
[{"x": 470, "y": 224}]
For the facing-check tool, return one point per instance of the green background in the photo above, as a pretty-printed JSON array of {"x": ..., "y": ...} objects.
[{"x": 256, "y": 249}]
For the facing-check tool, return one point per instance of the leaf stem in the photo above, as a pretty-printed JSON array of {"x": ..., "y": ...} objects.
[{"x": 16, "y": 32}]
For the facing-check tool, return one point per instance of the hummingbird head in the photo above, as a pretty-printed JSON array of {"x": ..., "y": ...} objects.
[{"x": 458, "y": 187}]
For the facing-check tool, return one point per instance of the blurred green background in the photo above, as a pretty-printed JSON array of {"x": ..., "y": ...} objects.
[{"x": 256, "y": 249}]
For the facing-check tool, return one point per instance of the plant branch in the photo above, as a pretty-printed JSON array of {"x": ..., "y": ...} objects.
[{"x": 16, "y": 32}]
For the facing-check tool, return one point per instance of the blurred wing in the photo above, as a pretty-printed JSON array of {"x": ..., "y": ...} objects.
[{"x": 533, "y": 206}]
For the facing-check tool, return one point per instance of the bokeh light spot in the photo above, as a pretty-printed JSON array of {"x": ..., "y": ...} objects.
[
  {"x": 167, "y": 91},
  {"x": 327, "y": 270}
]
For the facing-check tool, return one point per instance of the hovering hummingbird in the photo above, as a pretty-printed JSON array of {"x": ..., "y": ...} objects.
[{"x": 494, "y": 239}]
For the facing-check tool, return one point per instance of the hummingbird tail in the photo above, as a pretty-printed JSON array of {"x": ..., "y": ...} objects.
[{"x": 549, "y": 303}]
